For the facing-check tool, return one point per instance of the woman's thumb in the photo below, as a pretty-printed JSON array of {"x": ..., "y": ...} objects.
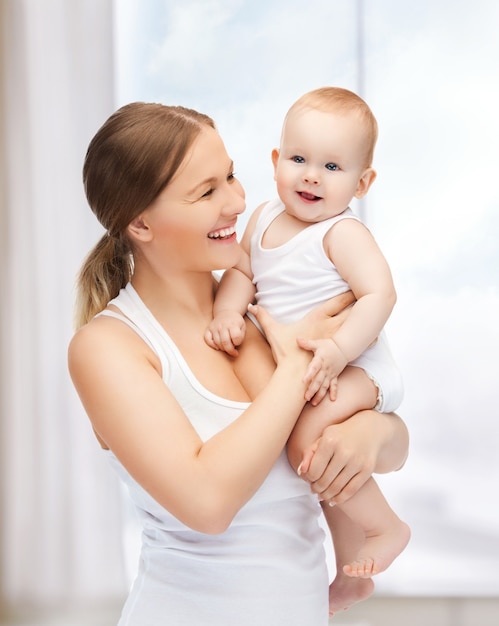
[
  {"x": 306, "y": 344},
  {"x": 261, "y": 314}
]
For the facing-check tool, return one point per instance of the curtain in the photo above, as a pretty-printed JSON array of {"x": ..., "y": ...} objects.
[{"x": 61, "y": 524}]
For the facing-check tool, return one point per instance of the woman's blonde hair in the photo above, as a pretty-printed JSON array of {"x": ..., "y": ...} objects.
[
  {"x": 343, "y": 102},
  {"x": 131, "y": 159}
]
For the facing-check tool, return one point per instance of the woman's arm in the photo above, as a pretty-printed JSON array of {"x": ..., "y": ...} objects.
[
  {"x": 204, "y": 484},
  {"x": 348, "y": 453}
]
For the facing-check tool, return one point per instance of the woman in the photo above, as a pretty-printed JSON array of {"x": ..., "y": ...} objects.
[{"x": 230, "y": 532}]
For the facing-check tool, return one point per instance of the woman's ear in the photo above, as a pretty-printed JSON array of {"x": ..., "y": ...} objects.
[
  {"x": 366, "y": 180},
  {"x": 139, "y": 230}
]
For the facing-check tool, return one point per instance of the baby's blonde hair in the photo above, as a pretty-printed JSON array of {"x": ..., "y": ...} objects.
[{"x": 343, "y": 102}]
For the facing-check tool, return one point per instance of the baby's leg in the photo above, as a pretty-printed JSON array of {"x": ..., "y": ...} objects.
[
  {"x": 356, "y": 392},
  {"x": 386, "y": 535},
  {"x": 366, "y": 539},
  {"x": 348, "y": 540}
]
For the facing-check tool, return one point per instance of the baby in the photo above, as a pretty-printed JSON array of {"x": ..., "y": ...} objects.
[{"x": 299, "y": 251}]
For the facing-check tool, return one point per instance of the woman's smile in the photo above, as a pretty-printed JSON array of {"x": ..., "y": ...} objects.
[{"x": 228, "y": 232}]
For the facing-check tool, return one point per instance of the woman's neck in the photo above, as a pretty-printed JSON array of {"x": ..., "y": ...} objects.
[{"x": 190, "y": 294}]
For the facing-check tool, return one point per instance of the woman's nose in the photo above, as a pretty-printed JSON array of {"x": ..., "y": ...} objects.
[{"x": 235, "y": 201}]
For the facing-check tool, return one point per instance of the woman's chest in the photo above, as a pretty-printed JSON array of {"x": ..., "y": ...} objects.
[{"x": 238, "y": 378}]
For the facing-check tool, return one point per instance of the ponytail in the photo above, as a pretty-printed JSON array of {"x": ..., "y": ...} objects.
[{"x": 106, "y": 270}]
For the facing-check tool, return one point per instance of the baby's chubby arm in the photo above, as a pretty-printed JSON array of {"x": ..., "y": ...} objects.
[
  {"x": 236, "y": 291},
  {"x": 357, "y": 257},
  {"x": 227, "y": 329},
  {"x": 360, "y": 262}
]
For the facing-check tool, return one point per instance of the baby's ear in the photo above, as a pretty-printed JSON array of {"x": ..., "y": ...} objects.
[
  {"x": 366, "y": 180},
  {"x": 275, "y": 159}
]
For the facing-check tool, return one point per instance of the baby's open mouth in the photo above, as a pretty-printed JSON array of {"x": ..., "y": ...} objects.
[{"x": 308, "y": 196}]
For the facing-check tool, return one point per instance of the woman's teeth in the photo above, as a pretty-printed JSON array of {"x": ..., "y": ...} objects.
[{"x": 223, "y": 233}]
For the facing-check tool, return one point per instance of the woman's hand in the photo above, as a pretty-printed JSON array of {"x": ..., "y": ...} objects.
[
  {"x": 346, "y": 454},
  {"x": 282, "y": 340},
  {"x": 313, "y": 332},
  {"x": 321, "y": 322},
  {"x": 324, "y": 320}
]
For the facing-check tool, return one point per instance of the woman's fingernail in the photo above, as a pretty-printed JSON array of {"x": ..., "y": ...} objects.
[{"x": 298, "y": 471}]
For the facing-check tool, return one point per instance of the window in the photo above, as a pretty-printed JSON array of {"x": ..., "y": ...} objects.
[{"x": 429, "y": 71}]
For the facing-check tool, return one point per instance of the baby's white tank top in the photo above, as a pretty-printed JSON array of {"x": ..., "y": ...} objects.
[
  {"x": 297, "y": 276},
  {"x": 267, "y": 569}
]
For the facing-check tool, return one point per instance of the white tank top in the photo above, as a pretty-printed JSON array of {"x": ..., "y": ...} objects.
[
  {"x": 297, "y": 276},
  {"x": 267, "y": 569}
]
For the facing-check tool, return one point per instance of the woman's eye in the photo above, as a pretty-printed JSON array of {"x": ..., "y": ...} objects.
[
  {"x": 332, "y": 167},
  {"x": 298, "y": 159},
  {"x": 230, "y": 178}
]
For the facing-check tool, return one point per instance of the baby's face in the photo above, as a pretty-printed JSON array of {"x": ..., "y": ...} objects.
[{"x": 320, "y": 164}]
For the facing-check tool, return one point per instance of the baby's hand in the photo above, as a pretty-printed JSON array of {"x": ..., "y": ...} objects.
[
  {"x": 226, "y": 331},
  {"x": 322, "y": 373}
]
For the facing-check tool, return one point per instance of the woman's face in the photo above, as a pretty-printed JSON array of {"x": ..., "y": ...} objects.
[{"x": 193, "y": 221}]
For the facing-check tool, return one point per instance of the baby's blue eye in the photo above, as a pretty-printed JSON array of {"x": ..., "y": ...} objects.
[
  {"x": 332, "y": 167},
  {"x": 298, "y": 159}
]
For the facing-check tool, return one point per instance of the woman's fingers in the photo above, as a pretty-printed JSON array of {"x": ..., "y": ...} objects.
[
  {"x": 281, "y": 337},
  {"x": 342, "y": 488},
  {"x": 308, "y": 455},
  {"x": 335, "y": 305},
  {"x": 335, "y": 472}
]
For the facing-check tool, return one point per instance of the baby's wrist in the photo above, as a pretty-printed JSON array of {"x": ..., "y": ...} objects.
[
  {"x": 339, "y": 350},
  {"x": 220, "y": 312}
]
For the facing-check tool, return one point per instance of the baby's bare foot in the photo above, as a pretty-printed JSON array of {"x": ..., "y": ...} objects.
[
  {"x": 379, "y": 551},
  {"x": 345, "y": 591}
]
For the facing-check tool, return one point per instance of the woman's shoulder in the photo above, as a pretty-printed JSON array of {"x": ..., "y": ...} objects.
[{"x": 105, "y": 340}]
